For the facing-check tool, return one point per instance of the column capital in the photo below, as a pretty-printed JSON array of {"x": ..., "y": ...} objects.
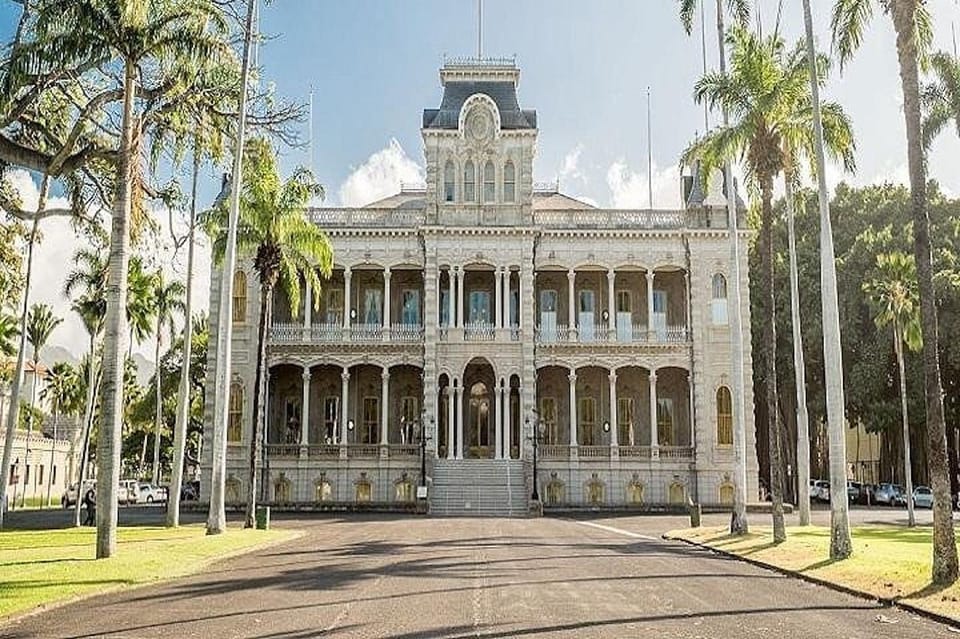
[
  {"x": 386, "y": 272},
  {"x": 650, "y": 274},
  {"x": 572, "y": 376},
  {"x": 385, "y": 375},
  {"x": 571, "y": 273},
  {"x": 612, "y": 377},
  {"x": 347, "y": 272},
  {"x": 653, "y": 377},
  {"x": 306, "y": 375},
  {"x": 611, "y": 274},
  {"x": 345, "y": 376}
]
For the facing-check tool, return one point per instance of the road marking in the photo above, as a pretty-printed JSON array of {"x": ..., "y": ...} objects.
[{"x": 618, "y": 531}]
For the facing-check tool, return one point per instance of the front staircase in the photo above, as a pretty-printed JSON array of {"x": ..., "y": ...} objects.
[{"x": 478, "y": 488}]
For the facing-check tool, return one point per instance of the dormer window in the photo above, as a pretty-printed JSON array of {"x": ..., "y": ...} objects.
[
  {"x": 449, "y": 175},
  {"x": 489, "y": 182},
  {"x": 509, "y": 183},
  {"x": 469, "y": 182}
]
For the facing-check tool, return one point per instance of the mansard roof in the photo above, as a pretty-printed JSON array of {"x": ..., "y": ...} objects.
[{"x": 504, "y": 94}]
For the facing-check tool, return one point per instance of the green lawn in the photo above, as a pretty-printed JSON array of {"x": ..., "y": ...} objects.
[
  {"x": 888, "y": 561},
  {"x": 38, "y": 568}
]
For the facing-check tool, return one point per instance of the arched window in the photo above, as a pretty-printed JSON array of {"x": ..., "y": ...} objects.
[
  {"x": 234, "y": 428},
  {"x": 469, "y": 182},
  {"x": 719, "y": 301},
  {"x": 449, "y": 174},
  {"x": 239, "y": 297},
  {"x": 489, "y": 182},
  {"x": 509, "y": 182},
  {"x": 726, "y": 494},
  {"x": 677, "y": 493},
  {"x": 724, "y": 417}
]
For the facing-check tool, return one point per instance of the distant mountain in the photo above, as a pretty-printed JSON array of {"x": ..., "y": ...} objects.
[{"x": 52, "y": 354}]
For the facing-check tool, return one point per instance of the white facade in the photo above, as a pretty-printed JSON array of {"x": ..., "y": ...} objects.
[{"x": 483, "y": 307}]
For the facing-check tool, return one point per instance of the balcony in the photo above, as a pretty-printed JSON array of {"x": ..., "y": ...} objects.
[
  {"x": 602, "y": 334},
  {"x": 297, "y": 333}
]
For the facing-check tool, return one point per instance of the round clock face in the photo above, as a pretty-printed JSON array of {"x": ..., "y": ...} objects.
[{"x": 480, "y": 125}]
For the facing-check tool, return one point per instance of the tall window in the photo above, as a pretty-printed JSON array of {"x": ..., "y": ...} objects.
[
  {"x": 334, "y": 306},
  {"x": 236, "y": 412},
  {"x": 548, "y": 417},
  {"x": 724, "y": 417},
  {"x": 665, "y": 421},
  {"x": 489, "y": 182},
  {"x": 509, "y": 182},
  {"x": 469, "y": 182},
  {"x": 587, "y": 415},
  {"x": 625, "y": 421},
  {"x": 449, "y": 190},
  {"x": 239, "y": 297},
  {"x": 719, "y": 301},
  {"x": 410, "y": 310},
  {"x": 371, "y": 420},
  {"x": 331, "y": 415}
]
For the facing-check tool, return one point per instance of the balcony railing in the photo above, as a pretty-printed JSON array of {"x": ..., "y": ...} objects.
[
  {"x": 609, "y": 218},
  {"x": 362, "y": 450},
  {"x": 594, "y": 452},
  {"x": 406, "y": 333},
  {"x": 280, "y": 451},
  {"x": 403, "y": 450},
  {"x": 479, "y": 332},
  {"x": 554, "y": 451},
  {"x": 363, "y": 217},
  {"x": 327, "y": 333},
  {"x": 323, "y": 451},
  {"x": 634, "y": 452},
  {"x": 676, "y": 452},
  {"x": 636, "y": 334}
]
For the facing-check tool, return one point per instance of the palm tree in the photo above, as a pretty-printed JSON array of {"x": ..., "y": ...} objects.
[
  {"x": 141, "y": 306},
  {"x": 13, "y": 411},
  {"x": 941, "y": 97},
  {"x": 285, "y": 247},
  {"x": 914, "y": 33},
  {"x": 8, "y": 332},
  {"x": 217, "y": 516},
  {"x": 167, "y": 304},
  {"x": 60, "y": 392},
  {"x": 740, "y": 9},
  {"x": 174, "y": 36},
  {"x": 40, "y": 325},
  {"x": 767, "y": 95},
  {"x": 893, "y": 294}
]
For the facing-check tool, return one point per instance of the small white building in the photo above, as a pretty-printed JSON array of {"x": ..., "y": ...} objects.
[{"x": 486, "y": 311}]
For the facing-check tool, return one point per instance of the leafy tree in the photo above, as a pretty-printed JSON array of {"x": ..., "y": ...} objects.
[
  {"x": 60, "y": 393},
  {"x": 285, "y": 246},
  {"x": 167, "y": 304},
  {"x": 914, "y": 33}
]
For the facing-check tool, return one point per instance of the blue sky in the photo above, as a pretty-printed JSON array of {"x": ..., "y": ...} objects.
[{"x": 585, "y": 66}]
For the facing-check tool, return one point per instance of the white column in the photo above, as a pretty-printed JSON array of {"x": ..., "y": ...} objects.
[
  {"x": 692, "y": 424},
  {"x": 450, "y": 432},
  {"x": 459, "y": 417},
  {"x": 305, "y": 410},
  {"x": 344, "y": 403},
  {"x": 386, "y": 304},
  {"x": 571, "y": 303},
  {"x": 654, "y": 436},
  {"x": 347, "y": 300},
  {"x": 384, "y": 401},
  {"x": 519, "y": 303},
  {"x": 614, "y": 434},
  {"x": 498, "y": 421},
  {"x": 611, "y": 304},
  {"x": 572, "y": 378},
  {"x": 461, "y": 275},
  {"x": 650, "y": 332},
  {"x": 451, "y": 298},
  {"x": 437, "y": 289},
  {"x": 498, "y": 298},
  {"x": 687, "y": 302}
]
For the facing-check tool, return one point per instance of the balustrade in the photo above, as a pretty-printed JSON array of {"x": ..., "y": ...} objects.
[
  {"x": 279, "y": 451},
  {"x": 595, "y": 452},
  {"x": 636, "y": 334},
  {"x": 676, "y": 452},
  {"x": 323, "y": 451},
  {"x": 479, "y": 332}
]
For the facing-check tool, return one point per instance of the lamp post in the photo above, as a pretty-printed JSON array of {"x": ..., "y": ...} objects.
[
  {"x": 537, "y": 432},
  {"x": 423, "y": 452}
]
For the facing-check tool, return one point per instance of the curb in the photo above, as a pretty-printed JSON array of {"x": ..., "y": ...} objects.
[{"x": 886, "y": 602}]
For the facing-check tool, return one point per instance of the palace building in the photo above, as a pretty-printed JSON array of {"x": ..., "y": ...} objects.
[{"x": 477, "y": 316}]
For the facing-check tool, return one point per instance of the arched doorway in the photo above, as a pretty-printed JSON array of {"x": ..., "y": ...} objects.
[{"x": 479, "y": 385}]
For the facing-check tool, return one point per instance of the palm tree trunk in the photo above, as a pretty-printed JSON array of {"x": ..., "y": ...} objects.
[
  {"x": 53, "y": 447},
  {"x": 738, "y": 518},
  {"x": 115, "y": 327},
  {"x": 217, "y": 517},
  {"x": 803, "y": 426},
  {"x": 30, "y": 416},
  {"x": 945, "y": 567},
  {"x": 259, "y": 401},
  {"x": 840, "y": 544},
  {"x": 13, "y": 411},
  {"x": 183, "y": 395},
  {"x": 87, "y": 425},
  {"x": 158, "y": 417},
  {"x": 770, "y": 359},
  {"x": 907, "y": 468}
]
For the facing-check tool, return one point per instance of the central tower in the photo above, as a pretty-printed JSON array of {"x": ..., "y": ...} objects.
[{"x": 479, "y": 146}]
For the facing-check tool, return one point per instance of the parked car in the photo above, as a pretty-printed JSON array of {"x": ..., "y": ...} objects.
[
  {"x": 854, "y": 490},
  {"x": 149, "y": 494},
  {"x": 822, "y": 490},
  {"x": 922, "y": 497},
  {"x": 69, "y": 497},
  {"x": 886, "y": 494},
  {"x": 129, "y": 491},
  {"x": 900, "y": 498}
]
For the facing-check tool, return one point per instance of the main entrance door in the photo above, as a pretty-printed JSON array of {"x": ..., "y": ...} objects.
[{"x": 479, "y": 418}]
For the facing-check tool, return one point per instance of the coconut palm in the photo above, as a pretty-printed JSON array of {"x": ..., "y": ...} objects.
[
  {"x": 141, "y": 306},
  {"x": 167, "y": 305},
  {"x": 285, "y": 246},
  {"x": 766, "y": 93},
  {"x": 740, "y": 11},
  {"x": 941, "y": 97},
  {"x": 914, "y": 33},
  {"x": 40, "y": 324},
  {"x": 893, "y": 294},
  {"x": 60, "y": 393},
  {"x": 8, "y": 333},
  {"x": 173, "y": 37}
]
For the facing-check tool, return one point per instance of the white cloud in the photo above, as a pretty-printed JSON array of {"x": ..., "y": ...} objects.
[
  {"x": 380, "y": 176},
  {"x": 569, "y": 168},
  {"x": 628, "y": 188},
  {"x": 53, "y": 260}
]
